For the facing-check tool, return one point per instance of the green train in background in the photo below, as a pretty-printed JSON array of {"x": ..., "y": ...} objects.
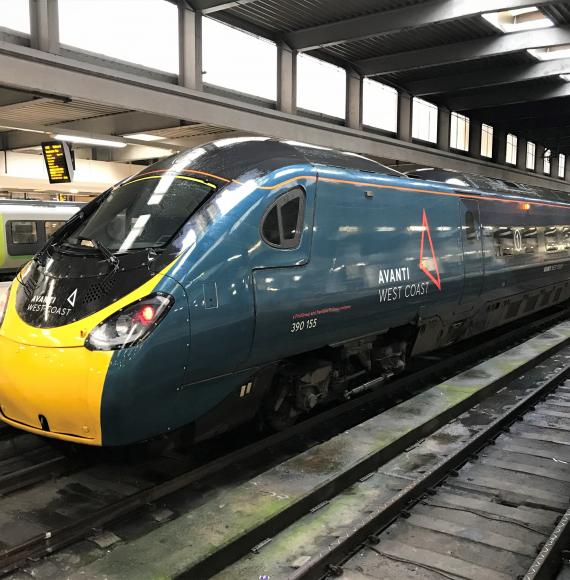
[{"x": 25, "y": 226}]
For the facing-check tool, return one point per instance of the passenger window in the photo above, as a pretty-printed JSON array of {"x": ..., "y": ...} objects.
[
  {"x": 24, "y": 232},
  {"x": 551, "y": 239},
  {"x": 52, "y": 227},
  {"x": 566, "y": 237},
  {"x": 529, "y": 240},
  {"x": 504, "y": 241},
  {"x": 282, "y": 224}
]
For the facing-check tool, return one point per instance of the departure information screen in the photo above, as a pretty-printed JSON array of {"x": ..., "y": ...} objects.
[{"x": 59, "y": 164}]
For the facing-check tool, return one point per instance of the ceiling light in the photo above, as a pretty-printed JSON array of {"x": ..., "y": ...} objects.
[
  {"x": 144, "y": 137},
  {"x": 551, "y": 52},
  {"x": 89, "y": 141},
  {"x": 530, "y": 18},
  {"x": 565, "y": 77},
  {"x": 21, "y": 129}
]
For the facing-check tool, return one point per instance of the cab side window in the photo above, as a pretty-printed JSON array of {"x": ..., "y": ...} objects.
[{"x": 282, "y": 223}]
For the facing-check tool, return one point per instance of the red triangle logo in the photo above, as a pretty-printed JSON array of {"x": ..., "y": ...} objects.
[{"x": 427, "y": 265}]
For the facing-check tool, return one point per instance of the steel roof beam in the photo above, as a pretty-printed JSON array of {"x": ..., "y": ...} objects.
[
  {"x": 489, "y": 77},
  {"x": 507, "y": 96},
  {"x": 396, "y": 20},
  {"x": 209, "y": 6},
  {"x": 464, "y": 51},
  {"x": 516, "y": 114},
  {"x": 540, "y": 136}
]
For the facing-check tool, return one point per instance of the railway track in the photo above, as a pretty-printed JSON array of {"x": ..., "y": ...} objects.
[
  {"x": 493, "y": 518},
  {"x": 127, "y": 521}
]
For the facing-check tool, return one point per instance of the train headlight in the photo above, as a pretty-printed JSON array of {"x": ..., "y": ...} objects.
[
  {"x": 4, "y": 295},
  {"x": 131, "y": 325}
]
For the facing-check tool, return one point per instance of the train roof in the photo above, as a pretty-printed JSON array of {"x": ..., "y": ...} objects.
[
  {"x": 487, "y": 184},
  {"x": 241, "y": 157}
]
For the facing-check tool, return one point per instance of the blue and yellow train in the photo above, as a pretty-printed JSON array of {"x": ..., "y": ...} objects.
[{"x": 255, "y": 277}]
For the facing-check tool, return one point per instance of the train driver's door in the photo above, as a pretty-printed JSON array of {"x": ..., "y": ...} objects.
[{"x": 473, "y": 258}]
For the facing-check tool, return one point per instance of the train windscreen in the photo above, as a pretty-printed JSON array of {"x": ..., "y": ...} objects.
[{"x": 143, "y": 213}]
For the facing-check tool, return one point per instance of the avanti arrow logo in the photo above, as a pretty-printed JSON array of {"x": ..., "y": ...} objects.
[
  {"x": 72, "y": 298},
  {"x": 430, "y": 262}
]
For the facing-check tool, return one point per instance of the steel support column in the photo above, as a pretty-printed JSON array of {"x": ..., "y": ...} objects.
[
  {"x": 521, "y": 153},
  {"x": 286, "y": 79},
  {"x": 404, "y": 116},
  {"x": 443, "y": 128},
  {"x": 500, "y": 145},
  {"x": 353, "y": 99},
  {"x": 189, "y": 47},
  {"x": 475, "y": 138},
  {"x": 540, "y": 150},
  {"x": 44, "y": 25},
  {"x": 554, "y": 164}
]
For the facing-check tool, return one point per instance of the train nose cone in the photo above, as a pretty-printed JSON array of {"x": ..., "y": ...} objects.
[{"x": 54, "y": 391}]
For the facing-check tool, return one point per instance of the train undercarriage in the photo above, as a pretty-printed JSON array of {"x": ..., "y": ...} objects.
[{"x": 304, "y": 382}]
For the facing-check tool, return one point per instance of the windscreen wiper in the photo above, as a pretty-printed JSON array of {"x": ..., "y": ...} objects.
[{"x": 104, "y": 251}]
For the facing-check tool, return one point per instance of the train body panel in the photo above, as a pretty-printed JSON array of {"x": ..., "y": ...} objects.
[{"x": 259, "y": 276}]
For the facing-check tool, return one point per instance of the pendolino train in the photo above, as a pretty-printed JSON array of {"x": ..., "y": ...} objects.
[
  {"x": 25, "y": 227},
  {"x": 253, "y": 277}
]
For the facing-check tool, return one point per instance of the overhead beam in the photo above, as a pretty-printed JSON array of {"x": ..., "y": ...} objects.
[
  {"x": 396, "y": 20},
  {"x": 28, "y": 68},
  {"x": 507, "y": 96},
  {"x": 489, "y": 77},
  {"x": 519, "y": 113},
  {"x": 555, "y": 133},
  {"x": 464, "y": 51},
  {"x": 209, "y": 6}
]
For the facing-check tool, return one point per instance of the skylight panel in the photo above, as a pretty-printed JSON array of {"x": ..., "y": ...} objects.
[
  {"x": 551, "y": 52},
  {"x": 530, "y": 18}
]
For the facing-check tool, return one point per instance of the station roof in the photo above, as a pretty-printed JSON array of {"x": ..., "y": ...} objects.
[
  {"x": 441, "y": 50},
  {"x": 450, "y": 52}
]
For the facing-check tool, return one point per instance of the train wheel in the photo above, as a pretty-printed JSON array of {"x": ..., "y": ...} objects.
[{"x": 278, "y": 410}]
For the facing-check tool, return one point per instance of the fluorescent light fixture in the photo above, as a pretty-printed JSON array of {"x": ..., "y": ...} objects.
[
  {"x": 551, "y": 52},
  {"x": 21, "y": 129},
  {"x": 144, "y": 137},
  {"x": 89, "y": 141},
  {"x": 530, "y": 18}
]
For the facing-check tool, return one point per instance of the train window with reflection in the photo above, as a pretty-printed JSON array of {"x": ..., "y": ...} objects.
[
  {"x": 470, "y": 227},
  {"x": 529, "y": 239},
  {"x": 515, "y": 241},
  {"x": 565, "y": 237},
  {"x": 551, "y": 240},
  {"x": 282, "y": 224},
  {"x": 504, "y": 241},
  {"x": 24, "y": 232},
  {"x": 271, "y": 227},
  {"x": 52, "y": 227}
]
